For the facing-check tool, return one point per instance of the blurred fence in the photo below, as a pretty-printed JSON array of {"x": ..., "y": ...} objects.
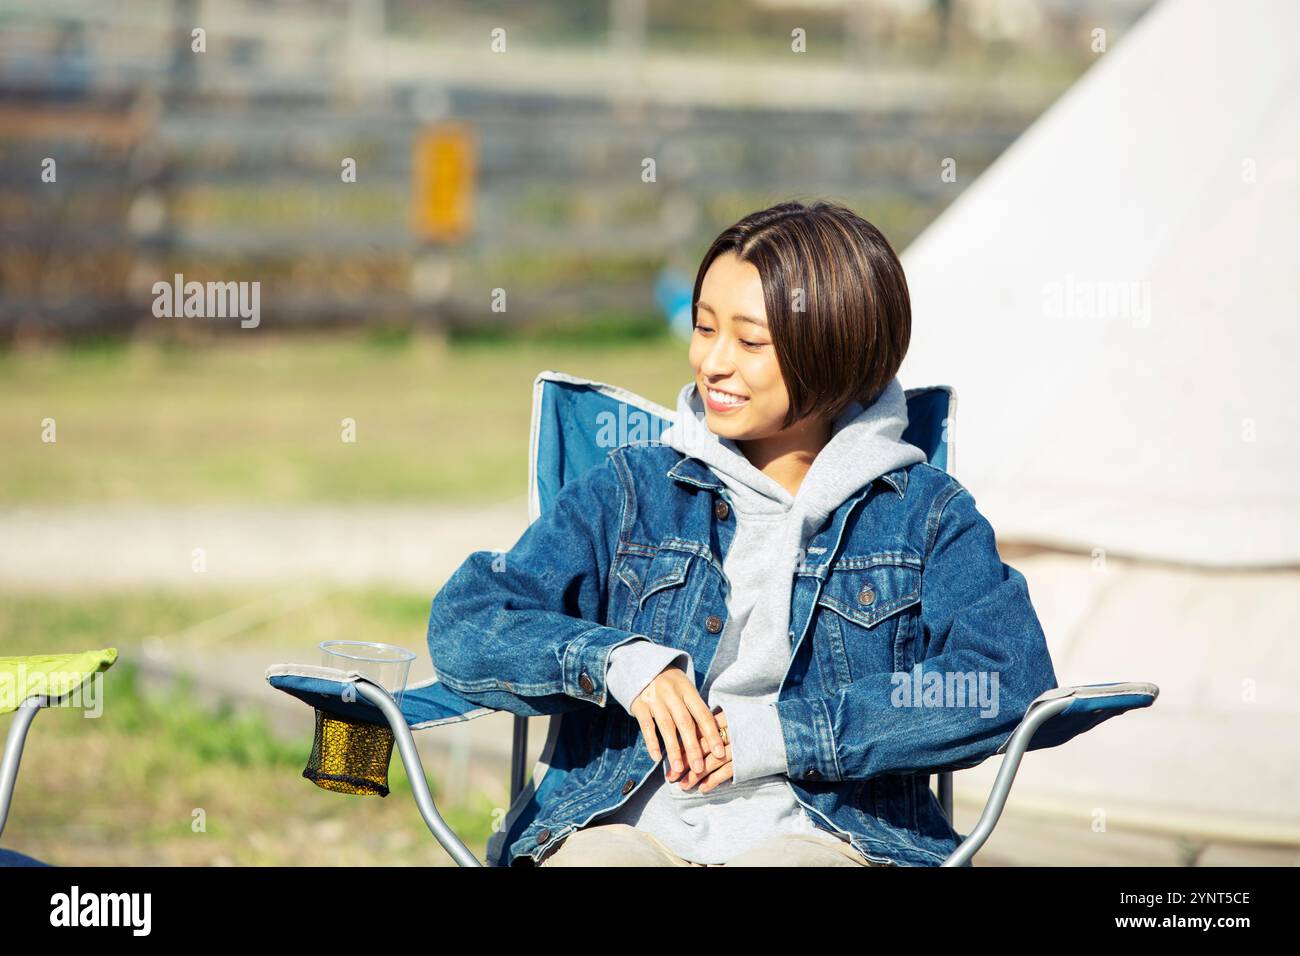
[{"x": 226, "y": 164}]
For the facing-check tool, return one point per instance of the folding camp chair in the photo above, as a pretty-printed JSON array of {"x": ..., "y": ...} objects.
[
  {"x": 26, "y": 685},
  {"x": 357, "y": 721}
]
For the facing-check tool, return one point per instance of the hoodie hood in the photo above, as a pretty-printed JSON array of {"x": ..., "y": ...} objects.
[{"x": 865, "y": 443}]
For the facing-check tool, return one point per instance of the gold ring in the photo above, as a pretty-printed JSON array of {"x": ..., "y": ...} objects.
[{"x": 722, "y": 732}]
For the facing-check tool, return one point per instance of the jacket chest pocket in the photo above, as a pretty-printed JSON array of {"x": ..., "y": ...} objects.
[
  {"x": 866, "y": 618},
  {"x": 656, "y": 591}
]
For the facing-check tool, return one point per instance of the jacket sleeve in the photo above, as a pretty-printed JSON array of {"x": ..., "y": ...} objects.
[
  {"x": 519, "y": 631},
  {"x": 982, "y": 645}
]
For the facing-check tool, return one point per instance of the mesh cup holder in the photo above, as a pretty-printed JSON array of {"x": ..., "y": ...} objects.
[{"x": 350, "y": 756}]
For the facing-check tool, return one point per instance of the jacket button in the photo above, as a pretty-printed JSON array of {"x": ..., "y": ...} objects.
[
  {"x": 585, "y": 683},
  {"x": 812, "y": 774},
  {"x": 629, "y": 785},
  {"x": 866, "y": 595},
  {"x": 713, "y": 623},
  {"x": 721, "y": 510},
  {"x": 543, "y": 836}
]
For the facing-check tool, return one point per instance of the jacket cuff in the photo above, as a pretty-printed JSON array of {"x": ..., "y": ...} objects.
[
  {"x": 809, "y": 739},
  {"x": 757, "y": 744},
  {"x": 632, "y": 666},
  {"x": 584, "y": 662}
]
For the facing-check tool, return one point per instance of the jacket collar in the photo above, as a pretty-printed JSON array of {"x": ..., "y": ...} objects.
[{"x": 695, "y": 472}]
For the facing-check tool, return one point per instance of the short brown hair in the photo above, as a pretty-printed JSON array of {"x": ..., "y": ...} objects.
[{"x": 849, "y": 340}]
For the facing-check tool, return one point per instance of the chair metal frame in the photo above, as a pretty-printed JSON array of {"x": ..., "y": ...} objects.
[{"x": 13, "y": 753}]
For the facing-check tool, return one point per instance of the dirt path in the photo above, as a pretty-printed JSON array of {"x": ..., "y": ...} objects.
[{"x": 125, "y": 546}]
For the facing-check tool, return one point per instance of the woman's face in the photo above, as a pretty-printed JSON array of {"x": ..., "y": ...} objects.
[{"x": 731, "y": 351}]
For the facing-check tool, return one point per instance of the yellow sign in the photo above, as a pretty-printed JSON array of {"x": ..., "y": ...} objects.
[{"x": 442, "y": 182}]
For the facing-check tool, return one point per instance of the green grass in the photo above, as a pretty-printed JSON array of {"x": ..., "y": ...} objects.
[
  {"x": 35, "y": 622},
  {"x": 124, "y": 788},
  {"x": 259, "y": 418},
  {"x": 191, "y": 735}
]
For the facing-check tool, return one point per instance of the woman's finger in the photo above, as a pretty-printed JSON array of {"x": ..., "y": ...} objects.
[
  {"x": 711, "y": 763},
  {"x": 706, "y": 724},
  {"x": 668, "y": 730},
  {"x": 686, "y": 728},
  {"x": 718, "y": 777},
  {"x": 692, "y": 778}
]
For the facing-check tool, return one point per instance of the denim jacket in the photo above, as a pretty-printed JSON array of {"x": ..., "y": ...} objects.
[{"x": 915, "y": 649}]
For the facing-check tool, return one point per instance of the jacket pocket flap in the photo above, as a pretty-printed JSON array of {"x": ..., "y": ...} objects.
[
  {"x": 668, "y": 569},
  {"x": 869, "y": 589},
  {"x": 644, "y": 576}
]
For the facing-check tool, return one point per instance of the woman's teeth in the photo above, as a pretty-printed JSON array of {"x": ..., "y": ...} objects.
[{"x": 724, "y": 399}]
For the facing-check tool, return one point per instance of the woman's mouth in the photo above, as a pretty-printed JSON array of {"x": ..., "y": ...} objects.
[{"x": 723, "y": 401}]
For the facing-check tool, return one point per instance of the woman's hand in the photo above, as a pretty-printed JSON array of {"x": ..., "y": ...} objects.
[
  {"x": 671, "y": 703},
  {"x": 717, "y": 770}
]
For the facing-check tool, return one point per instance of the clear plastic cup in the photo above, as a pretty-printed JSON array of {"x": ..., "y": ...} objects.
[{"x": 384, "y": 664}]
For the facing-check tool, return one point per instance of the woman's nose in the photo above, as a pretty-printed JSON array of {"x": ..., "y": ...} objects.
[{"x": 717, "y": 361}]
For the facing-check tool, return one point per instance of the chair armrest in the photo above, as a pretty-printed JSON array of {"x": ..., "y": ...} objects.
[
  {"x": 428, "y": 704},
  {"x": 1061, "y": 714}
]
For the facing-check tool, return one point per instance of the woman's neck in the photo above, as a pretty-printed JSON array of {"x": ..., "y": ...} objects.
[{"x": 786, "y": 456}]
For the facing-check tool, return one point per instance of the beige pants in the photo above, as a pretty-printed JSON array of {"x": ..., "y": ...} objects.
[{"x": 617, "y": 844}]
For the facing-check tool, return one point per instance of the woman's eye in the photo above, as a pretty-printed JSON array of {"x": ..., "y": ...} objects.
[{"x": 745, "y": 342}]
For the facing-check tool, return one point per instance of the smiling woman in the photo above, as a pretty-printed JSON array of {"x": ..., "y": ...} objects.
[
  {"x": 801, "y": 320},
  {"x": 745, "y": 589}
]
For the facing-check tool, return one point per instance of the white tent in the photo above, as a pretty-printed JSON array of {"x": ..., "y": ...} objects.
[
  {"x": 1116, "y": 303},
  {"x": 1116, "y": 300}
]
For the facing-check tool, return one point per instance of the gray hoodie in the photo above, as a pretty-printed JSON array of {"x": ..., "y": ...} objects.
[{"x": 772, "y": 529}]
